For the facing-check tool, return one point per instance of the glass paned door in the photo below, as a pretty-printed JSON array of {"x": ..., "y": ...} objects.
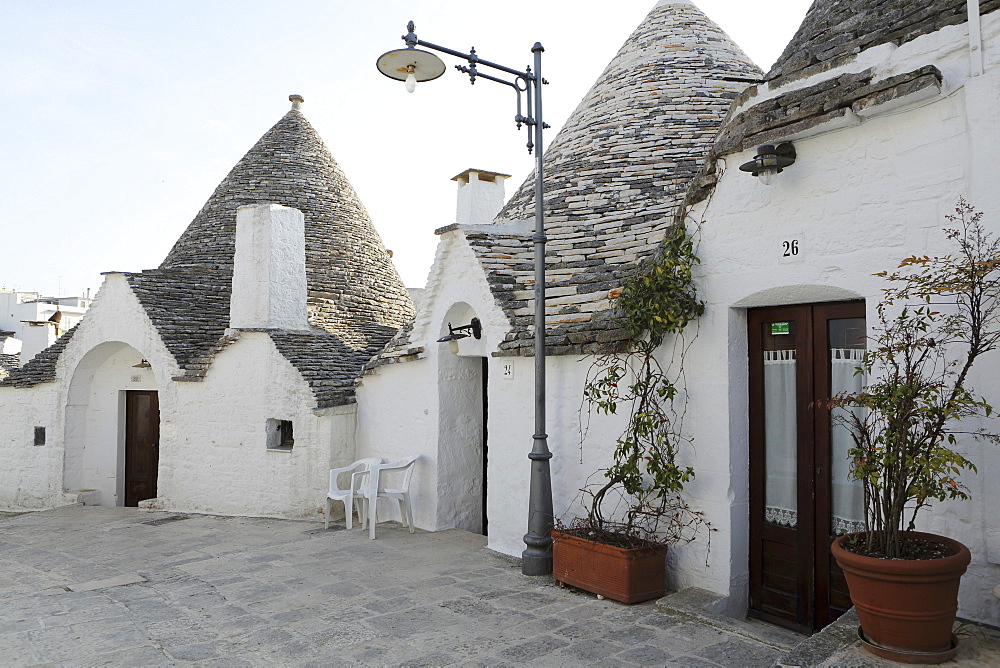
[
  {"x": 846, "y": 353},
  {"x": 800, "y": 493}
]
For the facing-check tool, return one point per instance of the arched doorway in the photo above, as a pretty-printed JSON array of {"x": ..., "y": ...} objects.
[
  {"x": 112, "y": 426},
  {"x": 463, "y": 380}
]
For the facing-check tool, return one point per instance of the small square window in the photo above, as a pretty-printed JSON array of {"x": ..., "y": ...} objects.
[
  {"x": 39, "y": 435},
  {"x": 280, "y": 435}
]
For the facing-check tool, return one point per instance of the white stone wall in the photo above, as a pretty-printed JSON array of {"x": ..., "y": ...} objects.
[
  {"x": 213, "y": 454},
  {"x": 858, "y": 200},
  {"x": 30, "y": 476},
  {"x": 418, "y": 408}
]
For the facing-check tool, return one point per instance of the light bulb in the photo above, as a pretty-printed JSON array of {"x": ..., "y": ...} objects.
[
  {"x": 453, "y": 346},
  {"x": 411, "y": 82},
  {"x": 767, "y": 176}
]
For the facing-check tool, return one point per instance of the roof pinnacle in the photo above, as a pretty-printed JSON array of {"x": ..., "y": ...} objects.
[{"x": 296, "y": 101}]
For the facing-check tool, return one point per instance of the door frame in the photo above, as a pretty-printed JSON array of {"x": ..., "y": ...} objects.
[
  {"x": 125, "y": 432},
  {"x": 809, "y": 541}
]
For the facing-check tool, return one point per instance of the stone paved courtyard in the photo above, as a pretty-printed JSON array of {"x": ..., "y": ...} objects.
[{"x": 89, "y": 586}]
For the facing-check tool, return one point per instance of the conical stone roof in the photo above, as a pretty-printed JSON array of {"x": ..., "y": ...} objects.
[
  {"x": 354, "y": 290},
  {"x": 356, "y": 299},
  {"x": 834, "y": 30},
  {"x": 615, "y": 176}
]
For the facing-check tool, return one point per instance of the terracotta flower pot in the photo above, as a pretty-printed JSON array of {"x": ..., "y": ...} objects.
[
  {"x": 629, "y": 575},
  {"x": 906, "y": 607}
]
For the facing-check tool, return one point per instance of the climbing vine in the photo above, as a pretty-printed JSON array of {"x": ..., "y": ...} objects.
[{"x": 658, "y": 301}]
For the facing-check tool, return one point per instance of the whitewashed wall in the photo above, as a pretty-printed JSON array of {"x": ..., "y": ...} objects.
[
  {"x": 213, "y": 454},
  {"x": 418, "y": 407},
  {"x": 30, "y": 476},
  {"x": 858, "y": 200}
]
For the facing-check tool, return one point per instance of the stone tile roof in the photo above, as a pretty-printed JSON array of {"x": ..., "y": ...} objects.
[
  {"x": 356, "y": 300},
  {"x": 40, "y": 368},
  {"x": 615, "y": 175},
  {"x": 803, "y": 108},
  {"x": 834, "y": 31},
  {"x": 399, "y": 349},
  {"x": 325, "y": 362},
  {"x": 8, "y": 363}
]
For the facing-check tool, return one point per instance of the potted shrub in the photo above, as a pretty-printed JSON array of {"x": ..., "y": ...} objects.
[
  {"x": 940, "y": 315},
  {"x": 618, "y": 548}
]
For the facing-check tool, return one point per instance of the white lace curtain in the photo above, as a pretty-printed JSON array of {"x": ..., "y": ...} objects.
[
  {"x": 848, "y": 495},
  {"x": 781, "y": 441},
  {"x": 780, "y": 438}
]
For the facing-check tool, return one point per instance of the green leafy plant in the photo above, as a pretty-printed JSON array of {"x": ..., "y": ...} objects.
[
  {"x": 660, "y": 300},
  {"x": 938, "y": 318}
]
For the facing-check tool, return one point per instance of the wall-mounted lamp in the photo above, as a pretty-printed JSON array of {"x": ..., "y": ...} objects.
[
  {"x": 474, "y": 329},
  {"x": 771, "y": 160},
  {"x": 142, "y": 365}
]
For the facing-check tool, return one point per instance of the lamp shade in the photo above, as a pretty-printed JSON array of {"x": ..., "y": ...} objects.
[{"x": 396, "y": 64}]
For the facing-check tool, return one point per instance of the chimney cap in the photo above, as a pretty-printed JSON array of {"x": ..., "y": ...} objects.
[{"x": 484, "y": 175}]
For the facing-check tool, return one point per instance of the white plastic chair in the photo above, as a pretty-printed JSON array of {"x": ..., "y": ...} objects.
[
  {"x": 376, "y": 489},
  {"x": 349, "y": 496}
]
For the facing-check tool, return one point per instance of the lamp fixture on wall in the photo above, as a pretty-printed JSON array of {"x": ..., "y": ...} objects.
[
  {"x": 142, "y": 365},
  {"x": 474, "y": 328},
  {"x": 771, "y": 160}
]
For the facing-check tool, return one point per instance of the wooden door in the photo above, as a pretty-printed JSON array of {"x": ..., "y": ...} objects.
[
  {"x": 801, "y": 497},
  {"x": 142, "y": 442}
]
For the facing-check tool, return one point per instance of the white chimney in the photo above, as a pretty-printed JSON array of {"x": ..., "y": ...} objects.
[
  {"x": 480, "y": 196},
  {"x": 269, "y": 270},
  {"x": 36, "y": 336}
]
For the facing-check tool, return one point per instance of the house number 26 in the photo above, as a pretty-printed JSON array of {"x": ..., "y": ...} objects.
[{"x": 791, "y": 248}]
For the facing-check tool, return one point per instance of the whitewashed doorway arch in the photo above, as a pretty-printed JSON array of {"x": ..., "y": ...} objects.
[
  {"x": 462, "y": 426},
  {"x": 94, "y": 456}
]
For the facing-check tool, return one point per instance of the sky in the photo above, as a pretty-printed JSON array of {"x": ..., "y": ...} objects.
[{"x": 120, "y": 117}]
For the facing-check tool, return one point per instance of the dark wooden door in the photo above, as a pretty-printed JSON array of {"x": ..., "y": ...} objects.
[
  {"x": 801, "y": 497},
  {"x": 142, "y": 443}
]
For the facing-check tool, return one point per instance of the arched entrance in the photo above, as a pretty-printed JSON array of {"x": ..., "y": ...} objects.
[
  {"x": 462, "y": 429},
  {"x": 112, "y": 426}
]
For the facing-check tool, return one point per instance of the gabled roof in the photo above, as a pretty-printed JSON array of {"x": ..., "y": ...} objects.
[{"x": 615, "y": 175}]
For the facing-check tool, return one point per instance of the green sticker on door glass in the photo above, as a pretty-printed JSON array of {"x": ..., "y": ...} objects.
[{"x": 780, "y": 328}]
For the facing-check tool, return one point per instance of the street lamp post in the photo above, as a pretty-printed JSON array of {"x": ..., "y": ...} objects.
[{"x": 413, "y": 65}]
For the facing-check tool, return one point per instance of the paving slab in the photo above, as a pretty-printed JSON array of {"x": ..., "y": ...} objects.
[{"x": 92, "y": 585}]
